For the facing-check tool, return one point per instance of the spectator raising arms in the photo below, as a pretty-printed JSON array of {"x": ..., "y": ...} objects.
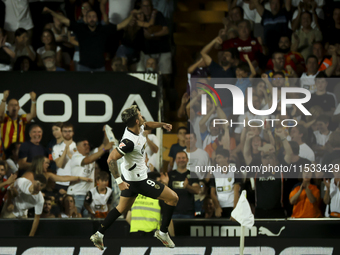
[
  {"x": 92, "y": 38},
  {"x": 82, "y": 164},
  {"x": 12, "y": 122}
]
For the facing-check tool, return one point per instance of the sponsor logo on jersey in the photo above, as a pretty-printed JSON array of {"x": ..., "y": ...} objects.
[{"x": 121, "y": 145}]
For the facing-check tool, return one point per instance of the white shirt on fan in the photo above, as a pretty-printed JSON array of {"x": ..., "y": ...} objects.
[
  {"x": 25, "y": 200},
  {"x": 99, "y": 201},
  {"x": 18, "y": 15},
  {"x": 334, "y": 194},
  {"x": 306, "y": 152},
  {"x": 82, "y": 187},
  {"x": 198, "y": 158},
  {"x": 119, "y": 10},
  {"x": 153, "y": 157},
  {"x": 320, "y": 138},
  {"x": 57, "y": 151},
  {"x": 224, "y": 184},
  {"x": 308, "y": 82}
]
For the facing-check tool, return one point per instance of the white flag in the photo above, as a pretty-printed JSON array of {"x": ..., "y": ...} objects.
[{"x": 242, "y": 212}]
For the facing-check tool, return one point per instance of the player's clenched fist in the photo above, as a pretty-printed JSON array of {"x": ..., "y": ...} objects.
[
  {"x": 168, "y": 127},
  {"x": 124, "y": 186}
]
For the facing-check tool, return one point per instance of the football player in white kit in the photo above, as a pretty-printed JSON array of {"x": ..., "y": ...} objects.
[{"x": 134, "y": 179}]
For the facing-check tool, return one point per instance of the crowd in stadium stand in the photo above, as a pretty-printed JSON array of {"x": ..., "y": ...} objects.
[{"x": 263, "y": 45}]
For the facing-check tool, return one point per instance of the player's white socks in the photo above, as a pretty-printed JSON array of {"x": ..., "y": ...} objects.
[
  {"x": 162, "y": 233},
  {"x": 99, "y": 234}
]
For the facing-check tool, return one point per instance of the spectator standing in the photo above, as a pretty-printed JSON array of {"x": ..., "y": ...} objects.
[
  {"x": 151, "y": 150},
  {"x": 22, "y": 45},
  {"x": 98, "y": 200},
  {"x": 305, "y": 198},
  {"x": 92, "y": 38},
  {"x": 278, "y": 60},
  {"x": 61, "y": 35},
  {"x": 326, "y": 100},
  {"x": 269, "y": 187},
  {"x": 28, "y": 150},
  {"x": 117, "y": 10},
  {"x": 292, "y": 58},
  {"x": 332, "y": 33},
  {"x": 309, "y": 7},
  {"x": 307, "y": 79},
  {"x": 224, "y": 69},
  {"x": 245, "y": 72},
  {"x": 299, "y": 134},
  {"x": 275, "y": 22},
  {"x": 245, "y": 43},
  {"x": 82, "y": 164},
  {"x": 131, "y": 45},
  {"x": 334, "y": 141},
  {"x": 293, "y": 161},
  {"x": 177, "y": 147},
  {"x": 13, "y": 124},
  {"x": 322, "y": 135},
  {"x": 29, "y": 196},
  {"x": 185, "y": 184},
  {"x": 225, "y": 189},
  {"x": 249, "y": 12},
  {"x": 332, "y": 193},
  {"x": 50, "y": 44},
  {"x": 323, "y": 61},
  {"x": 58, "y": 138},
  {"x": 18, "y": 15},
  {"x": 304, "y": 38},
  {"x": 62, "y": 154},
  {"x": 157, "y": 41},
  {"x": 196, "y": 156},
  {"x": 199, "y": 199},
  {"x": 7, "y": 55}
]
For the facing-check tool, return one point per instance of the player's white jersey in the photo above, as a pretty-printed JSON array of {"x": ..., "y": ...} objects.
[
  {"x": 132, "y": 147},
  {"x": 98, "y": 202}
]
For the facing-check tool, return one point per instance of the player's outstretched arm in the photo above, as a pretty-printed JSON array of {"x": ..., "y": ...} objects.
[{"x": 153, "y": 125}]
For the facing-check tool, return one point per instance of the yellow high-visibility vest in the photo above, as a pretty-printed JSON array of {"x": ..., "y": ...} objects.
[{"x": 145, "y": 214}]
